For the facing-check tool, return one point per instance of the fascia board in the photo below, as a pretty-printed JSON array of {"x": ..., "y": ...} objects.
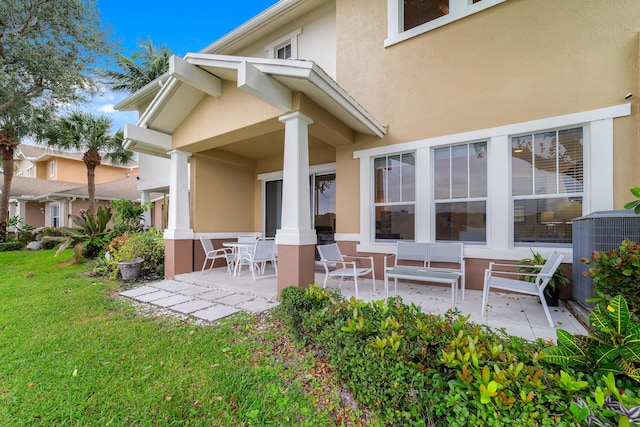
[
  {"x": 259, "y": 21},
  {"x": 131, "y": 102},
  {"x": 160, "y": 98}
]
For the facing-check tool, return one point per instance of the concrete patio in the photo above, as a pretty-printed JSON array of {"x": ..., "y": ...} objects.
[{"x": 519, "y": 315}]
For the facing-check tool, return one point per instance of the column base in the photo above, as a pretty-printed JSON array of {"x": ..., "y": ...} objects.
[
  {"x": 178, "y": 257},
  {"x": 296, "y": 266}
]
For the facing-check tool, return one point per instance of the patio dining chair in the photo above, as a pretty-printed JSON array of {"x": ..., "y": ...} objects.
[
  {"x": 494, "y": 279},
  {"x": 213, "y": 254},
  {"x": 338, "y": 265},
  {"x": 261, "y": 253}
]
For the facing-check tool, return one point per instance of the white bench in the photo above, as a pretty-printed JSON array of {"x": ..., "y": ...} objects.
[{"x": 414, "y": 261}]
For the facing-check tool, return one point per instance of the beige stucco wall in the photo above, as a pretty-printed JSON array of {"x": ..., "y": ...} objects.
[
  {"x": 215, "y": 117},
  {"x": 69, "y": 170},
  {"x": 518, "y": 61},
  {"x": 224, "y": 192},
  {"x": 316, "y": 42}
]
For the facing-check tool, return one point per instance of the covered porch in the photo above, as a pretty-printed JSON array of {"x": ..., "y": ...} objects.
[
  {"x": 226, "y": 125},
  {"x": 519, "y": 315}
]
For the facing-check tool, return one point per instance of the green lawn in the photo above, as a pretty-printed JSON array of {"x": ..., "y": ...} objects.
[{"x": 72, "y": 353}]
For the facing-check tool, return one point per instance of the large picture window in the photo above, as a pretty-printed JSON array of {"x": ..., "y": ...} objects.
[
  {"x": 546, "y": 185},
  {"x": 460, "y": 192},
  {"x": 394, "y": 198}
]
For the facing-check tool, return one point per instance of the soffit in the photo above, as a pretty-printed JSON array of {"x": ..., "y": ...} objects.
[{"x": 176, "y": 99}]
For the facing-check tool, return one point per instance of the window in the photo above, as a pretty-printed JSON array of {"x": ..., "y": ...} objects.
[
  {"x": 546, "y": 185},
  {"x": 460, "y": 192},
  {"x": 409, "y": 18},
  {"x": 55, "y": 214},
  {"x": 52, "y": 168},
  {"x": 284, "y": 52},
  {"x": 285, "y": 47},
  {"x": 29, "y": 172},
  {"x": 394, "y": 198}
]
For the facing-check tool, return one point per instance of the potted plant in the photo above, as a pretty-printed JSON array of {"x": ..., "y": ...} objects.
[
  {"x": 126, "y": 255},
  {"x": 534, "y": 265}
]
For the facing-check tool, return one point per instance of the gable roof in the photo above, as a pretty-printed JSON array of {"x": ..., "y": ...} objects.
[{"x": 35, "y": 153}]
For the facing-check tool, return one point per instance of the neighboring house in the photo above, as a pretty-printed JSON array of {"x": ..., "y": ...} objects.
[
  {"x": 45, "y": 203},
  {"x": 492, "y": 122},
  {"x": 41, "y": 162}
]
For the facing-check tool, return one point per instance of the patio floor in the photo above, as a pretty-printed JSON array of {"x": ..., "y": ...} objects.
[{"x": 519, "y": 315}]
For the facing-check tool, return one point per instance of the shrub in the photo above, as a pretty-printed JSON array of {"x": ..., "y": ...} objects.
[
  {"x": 11, "y": 246},
  {"x": 612, "y": 346},
  {"x": 414, "y": 368},
  {"x": 148, "y": 245},
  {"x": 617, "y": 272}
]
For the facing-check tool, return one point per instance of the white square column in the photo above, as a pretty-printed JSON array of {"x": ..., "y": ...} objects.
[
  {"x": 179, "y": 218},
  {"x": 296, "y": 203},
  {"x": 178, "y": 237},
  {"x": 296, "y": 240}
]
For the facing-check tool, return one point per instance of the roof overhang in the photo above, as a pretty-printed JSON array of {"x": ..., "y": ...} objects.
[{"x": 271, "y": 80}]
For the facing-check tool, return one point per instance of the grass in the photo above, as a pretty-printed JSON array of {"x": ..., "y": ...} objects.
[{"x": 72, "y": 353}]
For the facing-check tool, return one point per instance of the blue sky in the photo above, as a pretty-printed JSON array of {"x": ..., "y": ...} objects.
[{"x": 184, "y": 26}]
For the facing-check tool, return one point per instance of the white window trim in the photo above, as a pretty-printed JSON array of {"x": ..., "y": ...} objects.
[
  {"x": 52, "y": 169},
  {"x": 59, "y": 206},
  {"x": 458, "y": 9},
  {"x": 292, "y": 38},
  {"x": 598, "y": 178},
  {"x": 29, "y": 172}
]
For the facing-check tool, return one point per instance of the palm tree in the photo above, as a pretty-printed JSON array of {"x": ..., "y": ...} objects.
[
  {"x": 89, "y": 134},
  {"x": 142, "y": 68}
]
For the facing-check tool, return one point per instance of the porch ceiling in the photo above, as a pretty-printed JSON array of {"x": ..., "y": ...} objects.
[{"x": 272, "y": 80}]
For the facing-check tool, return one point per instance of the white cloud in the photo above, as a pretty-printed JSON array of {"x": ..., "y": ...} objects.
[{"x": 107, "y": 108}]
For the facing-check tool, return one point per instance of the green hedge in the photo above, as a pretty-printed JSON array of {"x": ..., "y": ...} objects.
[
  {"x": 11, "y": 246},
  {"x": 413, "y": 368}
]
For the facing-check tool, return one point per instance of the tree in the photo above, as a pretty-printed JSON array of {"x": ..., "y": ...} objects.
[
  {"x": 144, "y": 66},
  {"x": 89, "y": 134},
  {"x": 47, "y": 48}
]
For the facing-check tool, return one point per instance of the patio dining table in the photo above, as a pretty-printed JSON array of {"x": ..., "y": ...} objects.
[{"x": 237, "y": 248}]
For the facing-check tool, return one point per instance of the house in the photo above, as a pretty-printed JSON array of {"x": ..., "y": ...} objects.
[
  {"x": 42, "y": 162},
  {"x": 492, "y": 122},
  {"x": 55, "y": 193},
  {"x": 47, "y": 203}
]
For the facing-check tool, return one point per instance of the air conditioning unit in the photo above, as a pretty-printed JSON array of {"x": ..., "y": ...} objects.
[{"x": 601, "y": 232}]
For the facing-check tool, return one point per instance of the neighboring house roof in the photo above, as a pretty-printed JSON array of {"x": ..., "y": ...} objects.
[
  {"x": 35, "y": 153},
  {"x": 42, "y": 189}
]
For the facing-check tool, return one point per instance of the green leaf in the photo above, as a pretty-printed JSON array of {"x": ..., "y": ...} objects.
[
  {"x": 619, "y": 312},
  {"x": 636, "y": 191},
  {"x": 565, "y": 357},
  {"x": 600, "y": 320},
  {"x": 605, "y": 354}
]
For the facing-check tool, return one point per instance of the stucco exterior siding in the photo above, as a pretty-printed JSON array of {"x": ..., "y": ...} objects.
[
  {"x": 222, "y": 195},
  {"x": 518, "y": 61},
  {"x": 316, "y": 41},
  {"x": 218, "y": 121}
]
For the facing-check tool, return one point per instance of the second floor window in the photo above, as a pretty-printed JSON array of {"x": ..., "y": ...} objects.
[
  {"x": 284, "y": 52},
  {"x": 52, "y": 168}
]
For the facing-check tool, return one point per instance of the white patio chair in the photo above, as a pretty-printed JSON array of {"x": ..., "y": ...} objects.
[
  {"x": 245, "y": 243},
  {"x": 213, "y": 254},
  {"x": 330, "y": 257},
  {"x": 493, "y": 279},
  {"x": 262, "y": 252}
]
